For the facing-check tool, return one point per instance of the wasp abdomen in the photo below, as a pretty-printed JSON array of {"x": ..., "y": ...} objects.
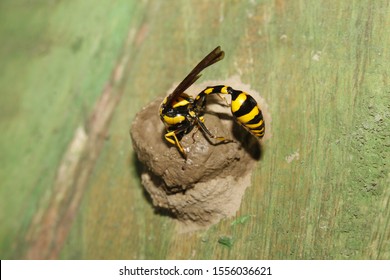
[
  {"x": 243, "y": 106},
  {"x": 246, "y": 111}
]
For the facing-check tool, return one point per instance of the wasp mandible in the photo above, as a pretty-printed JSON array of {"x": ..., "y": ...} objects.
[{"x": 180, "y": 113}]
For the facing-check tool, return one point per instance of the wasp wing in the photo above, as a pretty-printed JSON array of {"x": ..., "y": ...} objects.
[{"x": 214, "y": 56}]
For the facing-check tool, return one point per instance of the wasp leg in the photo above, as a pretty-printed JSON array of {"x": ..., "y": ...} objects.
[
  {"x": 220, "y": 139},
  {"x": 171, "y": 138},
  {"x": 224, "y": 99},
  {"x": 193, "y": 134}
]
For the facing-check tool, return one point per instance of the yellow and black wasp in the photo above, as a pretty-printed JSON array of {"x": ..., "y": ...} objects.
[{"x": 180, "y": 113}]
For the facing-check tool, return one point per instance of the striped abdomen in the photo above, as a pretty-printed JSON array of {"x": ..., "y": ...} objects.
[
  {"x": 244, "y": 108},
  {"x": 247, "y": 112}
]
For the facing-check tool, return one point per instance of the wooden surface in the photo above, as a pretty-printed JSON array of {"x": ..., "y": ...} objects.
[{"x": 74, "y": 75}]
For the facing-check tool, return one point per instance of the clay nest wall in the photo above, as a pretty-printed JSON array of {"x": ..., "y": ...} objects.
[{"x": 209, "y": 184}]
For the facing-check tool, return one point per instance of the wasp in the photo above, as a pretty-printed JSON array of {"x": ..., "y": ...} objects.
[{"x": 180, "y": 112}]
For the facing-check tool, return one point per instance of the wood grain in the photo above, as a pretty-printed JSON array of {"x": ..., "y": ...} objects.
[{"x": 321, "y": 189}]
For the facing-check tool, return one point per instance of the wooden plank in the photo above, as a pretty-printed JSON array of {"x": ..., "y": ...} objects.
[
  {"x": 53, "y": 70},
  {"x": 321, "y": 67},
  {"x": 321, "y": 189}
]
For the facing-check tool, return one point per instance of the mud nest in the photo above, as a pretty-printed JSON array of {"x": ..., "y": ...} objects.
[{"x": 210, "y": 183}]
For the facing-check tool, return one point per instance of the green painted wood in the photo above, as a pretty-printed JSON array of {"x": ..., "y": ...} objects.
[
  {"x": 321, "y": 190},
  {"x": 56, "y": 57}
]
